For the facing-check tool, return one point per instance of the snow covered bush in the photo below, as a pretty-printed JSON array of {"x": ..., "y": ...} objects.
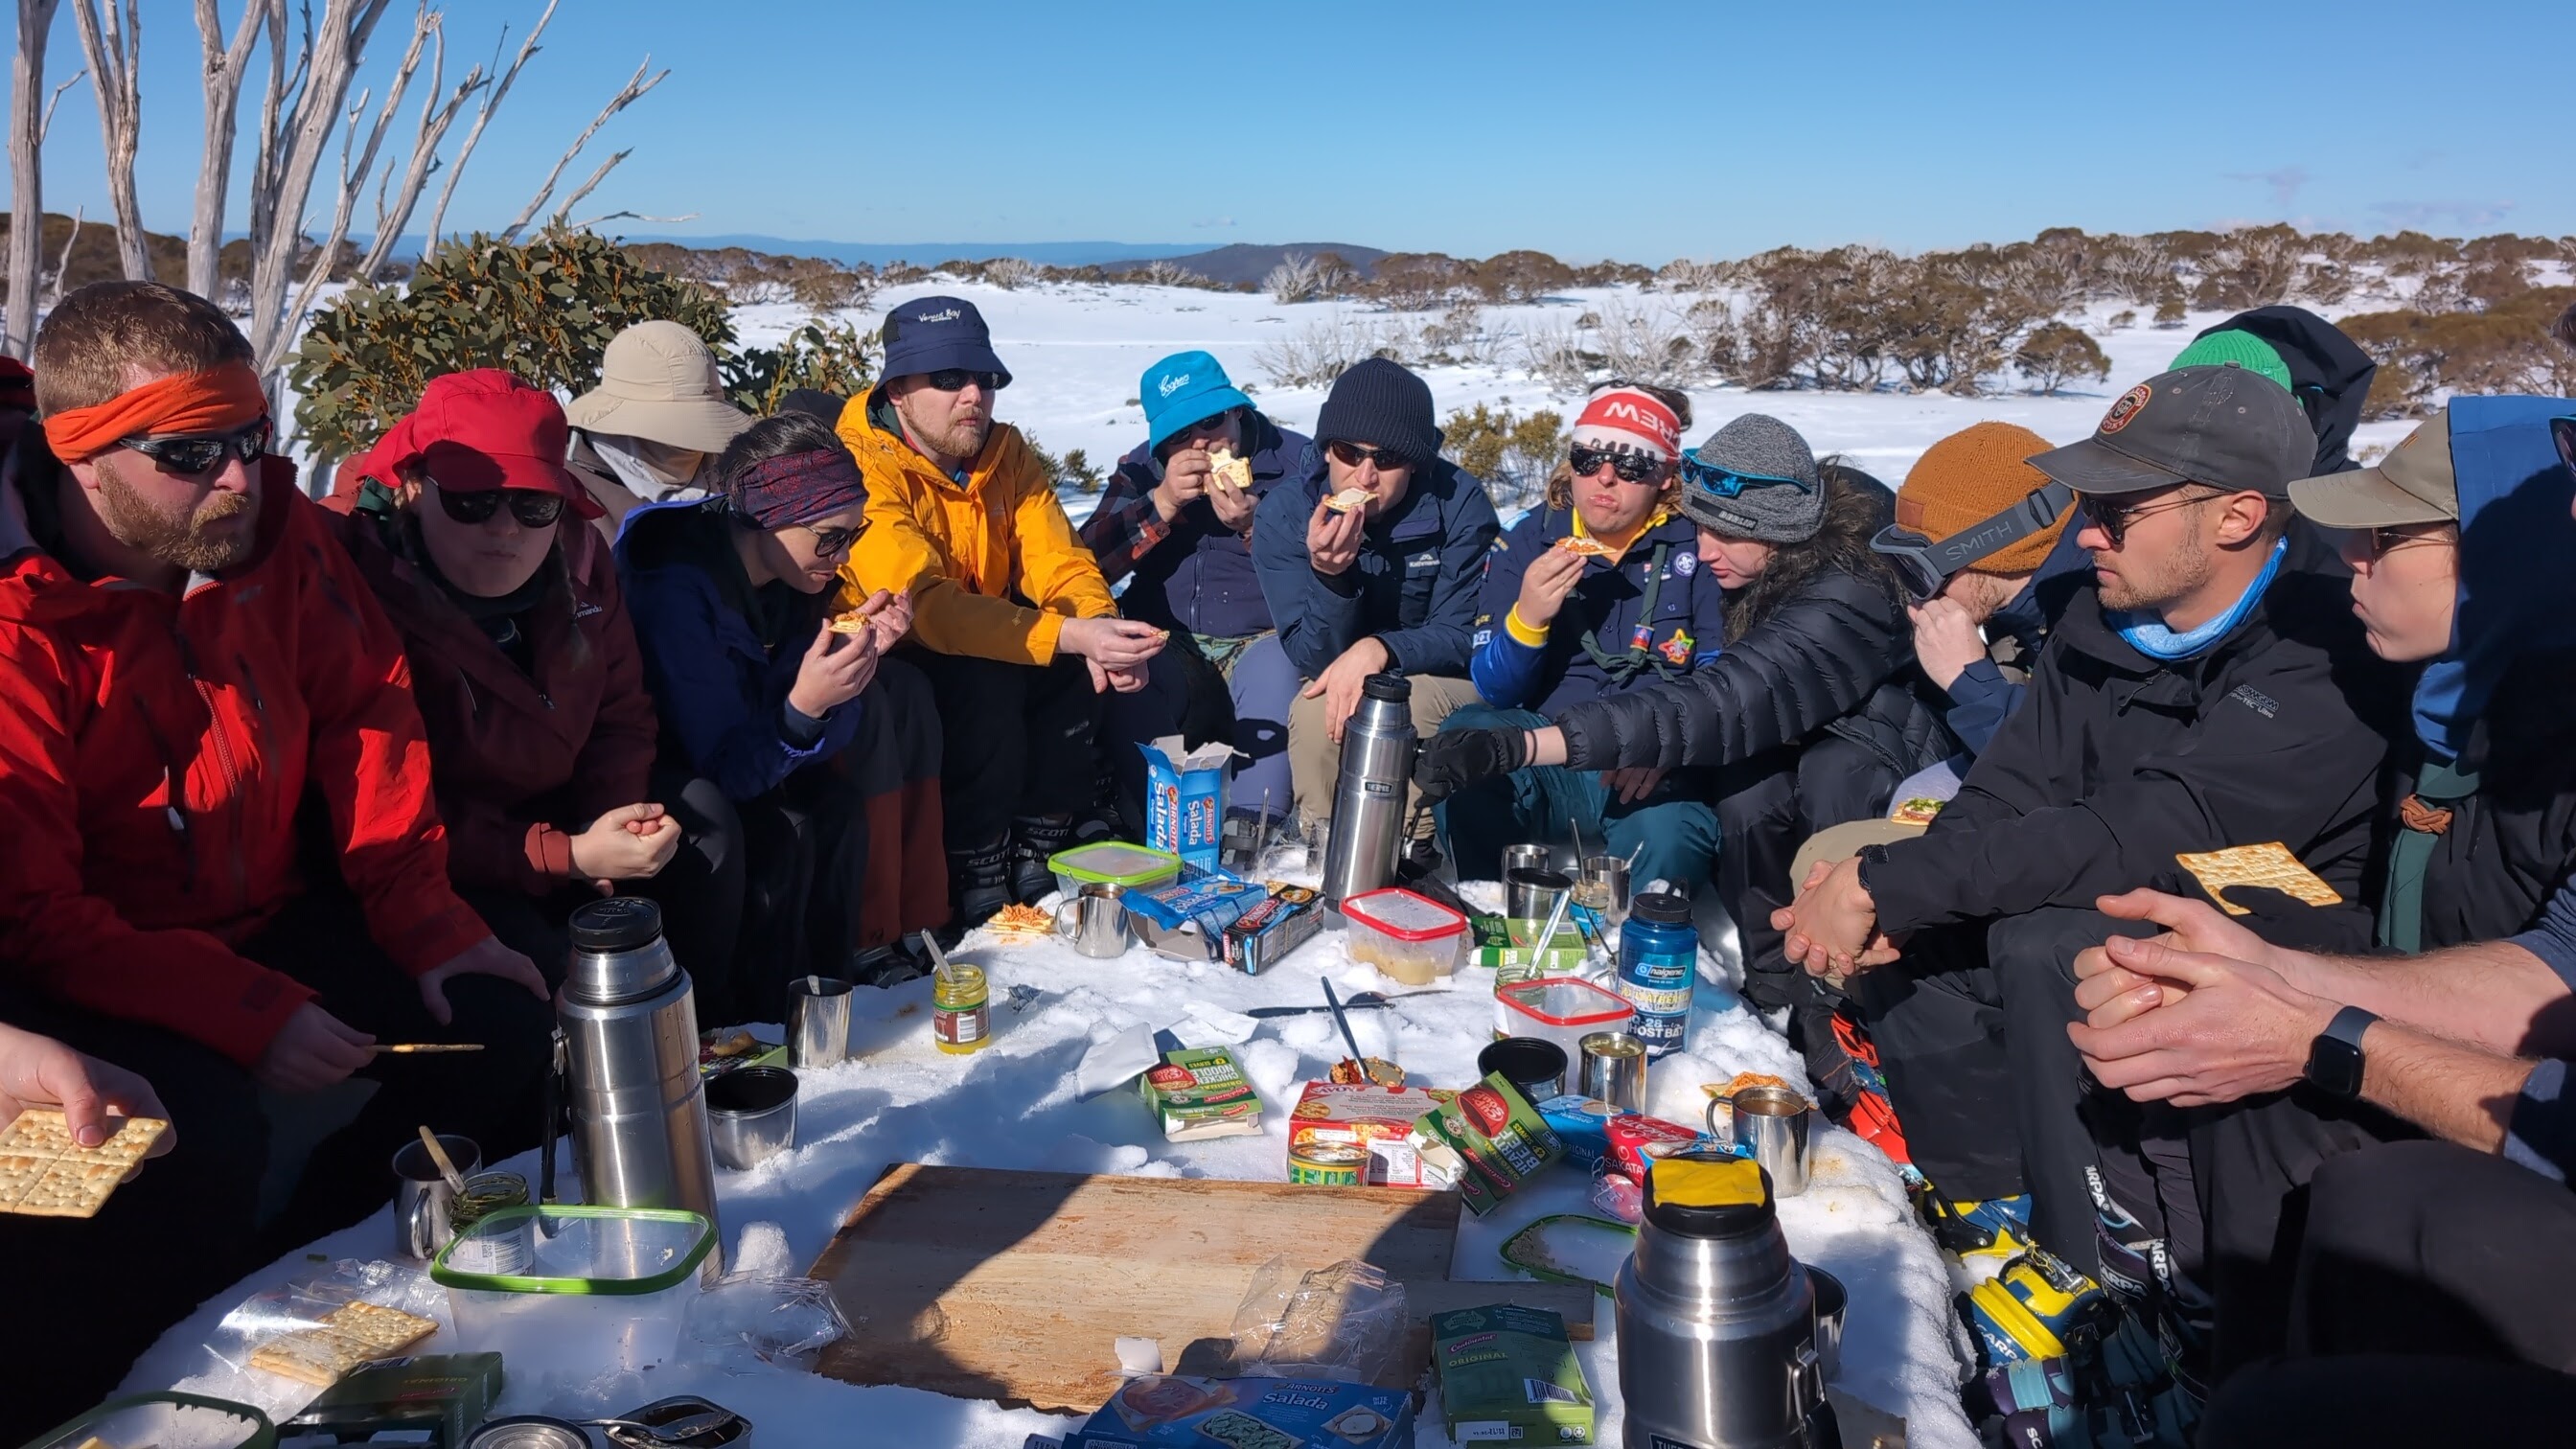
[{"x": 1295, "y": 279}]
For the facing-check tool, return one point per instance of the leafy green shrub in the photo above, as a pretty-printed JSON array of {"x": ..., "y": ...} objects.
[
  {"x": 1512, "y": 454},
  {"x": 2055, "y": 353},
  {"x": 545, "y": 310},
  {"x": 1074, "y": 467}
]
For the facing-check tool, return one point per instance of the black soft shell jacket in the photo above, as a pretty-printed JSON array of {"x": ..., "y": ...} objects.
[
  {"x": 2115, "y": 762},
  {"x": 1819, "y": 642},
  {"x": 2509, "y": 847}
]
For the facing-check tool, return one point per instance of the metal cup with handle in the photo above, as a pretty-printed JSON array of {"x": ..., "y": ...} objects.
[
  {"x": 1096, "y": 921},
  {"x": 1772, "y": 1125}
]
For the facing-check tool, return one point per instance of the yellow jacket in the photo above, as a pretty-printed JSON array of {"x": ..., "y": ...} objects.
[{"x": 994, "y": 566}]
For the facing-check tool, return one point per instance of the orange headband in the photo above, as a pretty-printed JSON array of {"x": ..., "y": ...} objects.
[{"x": 222, "y": 400}]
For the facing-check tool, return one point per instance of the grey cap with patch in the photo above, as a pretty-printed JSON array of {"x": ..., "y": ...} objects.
[{"x": 2216, "y": 425}]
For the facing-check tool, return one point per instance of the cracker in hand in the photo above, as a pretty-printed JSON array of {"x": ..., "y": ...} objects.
[
  {"x": 2270, "y": 866},
  {"x": 46, "y": 1173},
  {"x": 1229, "y": 471}
]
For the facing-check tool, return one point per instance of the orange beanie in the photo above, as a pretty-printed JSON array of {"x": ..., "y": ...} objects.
[{"x": 1971, "y": 476}]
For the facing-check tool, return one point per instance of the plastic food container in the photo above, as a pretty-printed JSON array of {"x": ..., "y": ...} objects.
[
  {"x": 580, "y": 1290},
  {"x": 1561, "y": 1009},
  {"x": 1112, "y": 862},
  {"x": 1409, "y": 937},
  {"x": 172, "y": 1421}
]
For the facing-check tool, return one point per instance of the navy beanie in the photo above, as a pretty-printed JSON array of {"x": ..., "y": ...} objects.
[{"x": 1380, "y": 404}]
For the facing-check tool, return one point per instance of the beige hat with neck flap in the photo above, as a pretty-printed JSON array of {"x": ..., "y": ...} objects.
[{"x": 658, "y": 382}]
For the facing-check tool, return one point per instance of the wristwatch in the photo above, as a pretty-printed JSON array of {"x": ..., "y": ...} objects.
[{"x": 2334, "y": 1058}]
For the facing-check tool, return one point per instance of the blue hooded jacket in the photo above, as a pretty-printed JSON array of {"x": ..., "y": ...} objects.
[
  {"x": 1194, "y": 573},
  {"x": 722, "y": 692},
  {"x": 1413, "y": 586},
  {"x": 2517, "y": 559}
]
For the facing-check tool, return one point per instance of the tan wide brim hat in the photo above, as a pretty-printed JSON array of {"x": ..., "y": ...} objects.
[{"x": 658, "y": 382}]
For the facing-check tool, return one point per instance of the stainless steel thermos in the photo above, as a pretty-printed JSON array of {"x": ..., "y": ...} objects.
[
  {"x": 629, "y": 1054},
  {"x": 1717, "y": 1326},
  {"x": 1368, "y": 797}
]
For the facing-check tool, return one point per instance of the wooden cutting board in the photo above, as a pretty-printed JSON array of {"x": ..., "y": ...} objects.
[{"x": 1014, "y": 1286}]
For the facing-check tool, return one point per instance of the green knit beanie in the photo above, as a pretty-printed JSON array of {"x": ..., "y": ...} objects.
[{"x": 2244, "y": 349}]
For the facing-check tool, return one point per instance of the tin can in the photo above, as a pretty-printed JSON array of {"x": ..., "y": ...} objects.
[
  {"x": 961, "y": 1010},
  {"x": 1614, "y": 1069},
  {"x": 528, "y": 1431},
  {"x": 1328, "y": 1164}
]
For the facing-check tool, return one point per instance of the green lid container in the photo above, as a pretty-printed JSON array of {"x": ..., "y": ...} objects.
[
  {"x": 1115, "y": 862},
  {"x": 579, "y": 1250},
  {"x": 165, "y": 1419}
]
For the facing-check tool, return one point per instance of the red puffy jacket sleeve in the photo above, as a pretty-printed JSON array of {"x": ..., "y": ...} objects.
[
  {"x": 369, "y": 758},
  {"x": 73, "y": 945}
]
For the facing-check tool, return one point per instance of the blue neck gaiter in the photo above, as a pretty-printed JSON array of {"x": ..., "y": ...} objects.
[{"x": 2150, "y": 637}]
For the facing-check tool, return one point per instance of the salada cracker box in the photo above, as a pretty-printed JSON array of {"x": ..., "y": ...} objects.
[{"x": 1193, "y": 1413}]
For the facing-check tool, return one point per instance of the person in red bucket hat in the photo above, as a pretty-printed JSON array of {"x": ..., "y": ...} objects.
[{"x": 465, "y": 522}]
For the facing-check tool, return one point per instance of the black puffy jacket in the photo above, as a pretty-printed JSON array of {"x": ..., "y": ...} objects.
[
  {"x": 2509, "y": 847},
  {"x": 2115, "y": 762},
  {"x": 1819, "y": 642}
]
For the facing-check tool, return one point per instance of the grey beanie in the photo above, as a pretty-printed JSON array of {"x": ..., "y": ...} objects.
[{"x": 1781, "y": 499}]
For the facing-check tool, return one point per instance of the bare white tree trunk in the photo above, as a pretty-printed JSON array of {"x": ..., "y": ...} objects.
[
  {"x": 112, "y": 37},
  {"x": 225, "y": 64},
  {"x": 333, "y": 49},
  {"x": 634, "y": 90},
  {"x": 491, "y": 102},
  {"x": 27, "y": 117},
  {"x": 63, "y": 263},
  {"x": 436, "y": 115}
]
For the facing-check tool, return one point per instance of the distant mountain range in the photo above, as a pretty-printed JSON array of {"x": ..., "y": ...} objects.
[
  {"x": 1243, "y": 262},
  {"x": 931, "y": 254}
]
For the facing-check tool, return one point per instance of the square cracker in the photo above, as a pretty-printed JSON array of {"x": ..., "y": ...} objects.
[
  {"x": 352, "y": 1334},
  {"x": 45, "y": 1173},
  {"x": 375, "y": 1325},
  {"x": 2270, "y": 866}
]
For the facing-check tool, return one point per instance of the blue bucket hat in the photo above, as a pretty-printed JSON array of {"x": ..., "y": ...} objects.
[
  {"x": 933, "y": 334},
  {"x": 1184, "y": 388}
]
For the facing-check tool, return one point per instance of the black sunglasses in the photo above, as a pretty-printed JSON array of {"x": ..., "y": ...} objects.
[
  {"x": 203, "y": 454},
  {"x": 2114, "y": 518},
  {"x": 954, "y": 379},
  {"x": 832, "y": 542},
  {"x": 2388, "y": 537},
  {"x": 1351, "y": 455},
  {"x": 532, "y": 508},
  {"x": 1631, "y": 467}
]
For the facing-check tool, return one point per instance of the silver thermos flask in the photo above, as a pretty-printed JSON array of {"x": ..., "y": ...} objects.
[
  {"x": 630, "y": 1067},
  {"x": 1368, "y": 797},
  {"x": 1717, "y": 1332}
]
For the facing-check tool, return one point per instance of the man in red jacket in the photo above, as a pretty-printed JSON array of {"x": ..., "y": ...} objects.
[{"x": 222, "y": 863}]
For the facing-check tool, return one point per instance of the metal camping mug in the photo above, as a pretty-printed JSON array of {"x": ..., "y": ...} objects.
[
  {"x": 1530, "y": 895},
  {"x": 424, "y": 1205},
  {"x": 1096, "y": 921},
  {"x": 1771, "y": 1125},
  {"x": 1614, "y": 1069},
  {"x": 1603, "y": 886},
  {"x": 818, "y": 1021},
  {"x": 1523, "y": 857},
  {"x": 751, "y": 1115}
]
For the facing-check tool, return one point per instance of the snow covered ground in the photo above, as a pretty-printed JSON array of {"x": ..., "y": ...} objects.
[
  {"x": 1013, "y": 1106},
  {"x": 1076, "y": 351}
]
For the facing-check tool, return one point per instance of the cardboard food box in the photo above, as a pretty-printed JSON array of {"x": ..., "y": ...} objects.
[
  {"x": 1581, "y": 1123},
  {"x": 442, "y": 1394},
  {"x": 1496, "y": 949},
  {"x": 1202, "y": 1092},
  {"x": 1498, "y": 1135},
  {"x": 1185, "y": 798},
  {"x": 1195, "y": 1413},
  {"x": 1508, "y": 1375},
  {"x": 1377, "y": 1122}
]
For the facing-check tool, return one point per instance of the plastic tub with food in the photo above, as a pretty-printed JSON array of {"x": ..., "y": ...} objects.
[
  {"x": 1561, "y": 1009},
  {"x": 167, "y": 1421},
  {"x": 1411, "y": 938},
  {"x": 574, "y": 1289},
  {"x": 1112, "y": 862}
]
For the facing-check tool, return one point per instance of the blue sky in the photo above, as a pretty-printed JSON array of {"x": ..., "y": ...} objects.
[{"x": 1643, "y": 132}]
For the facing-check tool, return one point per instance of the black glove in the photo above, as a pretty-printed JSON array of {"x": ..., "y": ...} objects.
[{"x": 1455, "y": 759}]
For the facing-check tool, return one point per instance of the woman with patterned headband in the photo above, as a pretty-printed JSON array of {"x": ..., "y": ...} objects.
[{"x": 829, "y": 750}]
